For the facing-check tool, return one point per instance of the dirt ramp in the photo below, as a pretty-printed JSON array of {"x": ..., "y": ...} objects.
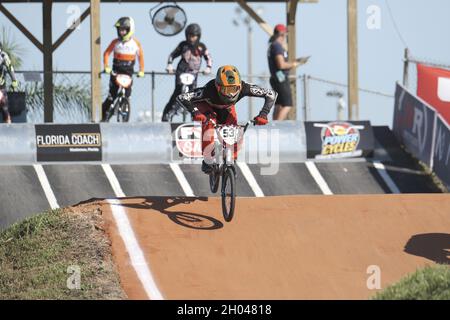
[{"x": 290, "y": 247}]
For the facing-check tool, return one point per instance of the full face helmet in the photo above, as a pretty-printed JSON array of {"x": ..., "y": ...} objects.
[
  {"x": 126, "y": 23},
  {"x": 228, "y": 84}
]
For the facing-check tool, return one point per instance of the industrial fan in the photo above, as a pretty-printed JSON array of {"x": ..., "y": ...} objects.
[{"x": 168, "y": 20}]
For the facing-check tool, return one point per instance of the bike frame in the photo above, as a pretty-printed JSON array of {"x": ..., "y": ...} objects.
[
  {"x": 185, "y": 88},
  {"x": 226, "y": 152},
  {"x": 117, "y": 102},
  {"x": 229, "y": 136}
]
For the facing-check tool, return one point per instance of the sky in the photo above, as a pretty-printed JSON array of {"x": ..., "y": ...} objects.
[{"x": 321, "y": 33}]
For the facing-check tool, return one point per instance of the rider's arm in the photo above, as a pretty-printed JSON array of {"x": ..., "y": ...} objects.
[
  {"x": 107, "y": 52},
  {"x": 283, "y": 65},
  {"x": 175, "y": 53},
  {"x": 252, "y": 90},
  {"x": 207, "y": 57},
  {"x": 140, "y": 54},
  {"x": 188, "y": 100}
]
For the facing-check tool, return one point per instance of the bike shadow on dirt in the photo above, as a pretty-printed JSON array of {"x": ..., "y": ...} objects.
[
  {"x": 184, "y": 219},
  {"x": 433, "y": 246}
]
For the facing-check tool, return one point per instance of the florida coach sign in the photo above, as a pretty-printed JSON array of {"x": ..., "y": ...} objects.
[{"x": 71, "y": 142}]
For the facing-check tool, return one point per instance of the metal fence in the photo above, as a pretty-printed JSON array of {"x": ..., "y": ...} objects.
[
  {"x": 72, "y": 95},
  {"x": 150, "y": 95},
  {"x": 324, "y": 98},
  {"x": 410, "y": 69}
]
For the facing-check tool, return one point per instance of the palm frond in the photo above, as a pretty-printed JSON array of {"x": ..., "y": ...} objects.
[
  {"x": 70, "y": 98},
  {"x": 12, "y": 47}
]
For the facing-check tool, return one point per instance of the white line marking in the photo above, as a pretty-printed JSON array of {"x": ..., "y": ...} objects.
[
  {"x": 386, "y": 177},
  {"x": 318, "y": 178},
  {"x": 250, "y": 179},
  {"x": 46, "y": 186},
  {"x": 135, "y": 252},
  {"x": 113, "y": 180},
  {"x": 182, "y": 179},
  {"x": 131, "y": 244}
]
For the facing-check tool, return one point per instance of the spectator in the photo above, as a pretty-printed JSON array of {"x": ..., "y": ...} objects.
[{"x": 279, "y": 72}]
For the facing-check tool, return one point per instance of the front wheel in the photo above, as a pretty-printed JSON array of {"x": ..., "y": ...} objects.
[
  {"x": 214, "y": 178},
  {"x": 111, "y": 110},
  {"x": 228, "y": 194},
  {"x": 124, "y": 111}
]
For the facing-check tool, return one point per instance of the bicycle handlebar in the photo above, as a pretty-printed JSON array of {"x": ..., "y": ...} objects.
[{"x": 245, "y": 126}]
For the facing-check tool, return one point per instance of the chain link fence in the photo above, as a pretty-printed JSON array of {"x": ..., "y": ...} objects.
[
  {"x": 317, "y": 99},
  {"x": 410, "y": 69},
  {"x": 326, "y": 100},
  {"x": 72, "y": 92}
]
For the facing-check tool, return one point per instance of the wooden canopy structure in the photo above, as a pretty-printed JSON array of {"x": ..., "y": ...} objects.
[{"x": 48, "y": 46}]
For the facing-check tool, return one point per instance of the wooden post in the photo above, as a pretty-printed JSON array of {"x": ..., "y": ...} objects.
[
  {"x": 21, "y": 27},
  {"x": 252, "y": 13},
  {"x": 406, "y": 68},
  {"x": 250, "y": 66},
  {"x": 305, "y": 97},
  {"x": 71, "y": 29},
  {"x": 96, "y": 64},
  {"x": 352, "y": 30},
  {"x": 291, "y": 10},
  {"x": 48, "y": 59}
]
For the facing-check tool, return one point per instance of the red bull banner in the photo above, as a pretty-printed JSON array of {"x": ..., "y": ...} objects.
[
  {"x": 433, "y": 86},
  {"x": 339, "y": 139}
]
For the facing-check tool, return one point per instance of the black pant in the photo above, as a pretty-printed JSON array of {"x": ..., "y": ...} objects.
[
  {"x": 113, "y": 88},
  {"x": 175, "y": 94},
  {"x": 284, "y": 92}
]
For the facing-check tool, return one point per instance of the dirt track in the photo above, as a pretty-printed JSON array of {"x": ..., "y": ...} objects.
[{"x": 291, "y": 247}]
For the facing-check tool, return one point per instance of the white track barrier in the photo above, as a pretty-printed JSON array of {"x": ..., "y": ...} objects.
[{"x": 152, "y": 143}]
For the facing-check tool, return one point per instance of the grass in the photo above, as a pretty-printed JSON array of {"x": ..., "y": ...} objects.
[
  {"x": 37, "y": 254},
  {"x": 429, "y": 283}
]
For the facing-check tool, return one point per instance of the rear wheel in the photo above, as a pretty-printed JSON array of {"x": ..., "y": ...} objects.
[{"x": 228, "y": 194}]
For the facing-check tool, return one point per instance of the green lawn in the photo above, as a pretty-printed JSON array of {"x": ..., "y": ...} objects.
[
  {"x": 38, "y": 256},
  {"x": 429, "y": 283}
]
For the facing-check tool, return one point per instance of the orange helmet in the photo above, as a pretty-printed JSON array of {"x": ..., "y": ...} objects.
[{"x": 228, "y": 83}]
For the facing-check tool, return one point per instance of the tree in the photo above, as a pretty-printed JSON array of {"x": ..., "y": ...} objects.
[
  {"x": 71, "y": 97},
  {"x": 12, "y": 48}
]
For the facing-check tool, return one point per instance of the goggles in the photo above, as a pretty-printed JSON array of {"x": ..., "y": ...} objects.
[{"x": 229, "y": 90}]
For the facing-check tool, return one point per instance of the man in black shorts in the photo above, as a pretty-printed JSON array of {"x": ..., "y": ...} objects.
[{"x": 279, "y": 72}]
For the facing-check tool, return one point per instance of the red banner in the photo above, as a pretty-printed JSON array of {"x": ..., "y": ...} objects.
[{"x": 433, "y": 86}]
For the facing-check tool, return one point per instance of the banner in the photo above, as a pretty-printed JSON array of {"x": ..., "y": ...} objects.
[
  {"x": 186, "y": 141},
  {"x": 441, "y": 159},
  {"x": 68, "y": 142},
  {"x": 433, "y": 86},
  {"x": 413, "y": 124},
  {"x": 339, "y": 139}
]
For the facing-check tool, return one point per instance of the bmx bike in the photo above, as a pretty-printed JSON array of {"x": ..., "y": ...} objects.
[
  {"x": 187, "y": 80},
  {"x": 224, "y": 164},
  {"x": 120, "y": 107}
]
